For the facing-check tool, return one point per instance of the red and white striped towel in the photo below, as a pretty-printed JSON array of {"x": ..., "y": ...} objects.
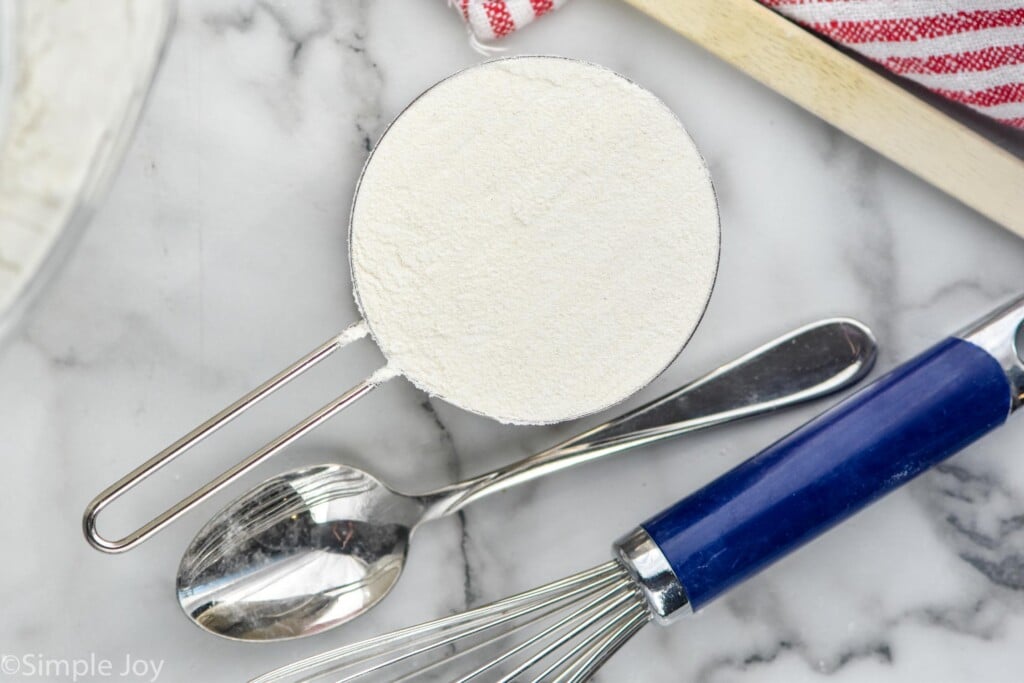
[
  {"x": 970, "y": 51},
  {"x": 490, "y": 19}
]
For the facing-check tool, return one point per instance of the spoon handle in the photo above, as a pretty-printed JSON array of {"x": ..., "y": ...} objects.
[{"x": 807, "y": 363}]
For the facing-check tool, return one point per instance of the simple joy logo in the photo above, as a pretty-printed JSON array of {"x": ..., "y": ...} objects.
[{"x": 89, "y": 668}]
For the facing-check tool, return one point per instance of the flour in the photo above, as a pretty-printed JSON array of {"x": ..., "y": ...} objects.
[
  {"x": 534, "y": 239},
  {"x": 80, "y": 74}
]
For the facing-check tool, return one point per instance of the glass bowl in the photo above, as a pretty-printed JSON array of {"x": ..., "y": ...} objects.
[{"x": 73, "y": 80}]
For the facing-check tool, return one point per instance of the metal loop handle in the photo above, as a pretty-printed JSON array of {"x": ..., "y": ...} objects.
[{"x": 200, "y": 433}]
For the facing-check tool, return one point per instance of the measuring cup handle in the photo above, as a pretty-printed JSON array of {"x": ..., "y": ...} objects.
[{"x": 164, "y": 457}]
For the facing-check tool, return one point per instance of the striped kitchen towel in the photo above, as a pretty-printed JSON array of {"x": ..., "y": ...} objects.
[
  {"x": 490, "y": 19},
  {"x": 969, "y": 51}
]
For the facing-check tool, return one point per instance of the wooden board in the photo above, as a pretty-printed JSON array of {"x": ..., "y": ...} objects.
[{"x": 854, "y": 99}]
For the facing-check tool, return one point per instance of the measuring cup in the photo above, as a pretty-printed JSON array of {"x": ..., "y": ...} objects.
[{"x": 425, "y": 276}]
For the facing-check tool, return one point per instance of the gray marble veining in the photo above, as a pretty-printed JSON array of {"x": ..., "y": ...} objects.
[{"x": 220, "y": 256}]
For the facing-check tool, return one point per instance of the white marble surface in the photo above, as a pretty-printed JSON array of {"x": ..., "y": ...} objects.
[{"x": 219, "y": 257}]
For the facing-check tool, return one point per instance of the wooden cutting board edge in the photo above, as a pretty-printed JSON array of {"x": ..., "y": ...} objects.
[{"x": 847, "y": 94}]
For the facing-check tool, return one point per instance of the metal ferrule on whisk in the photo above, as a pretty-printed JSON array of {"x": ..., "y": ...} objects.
[
  {"x": 649, "y": 567},
  {"x": 1001, "y": 335}
]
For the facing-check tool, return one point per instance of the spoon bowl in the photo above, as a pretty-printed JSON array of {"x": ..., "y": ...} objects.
[{"x": 315, "y": 547}]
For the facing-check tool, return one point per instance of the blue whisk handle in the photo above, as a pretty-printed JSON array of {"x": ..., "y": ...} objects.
[{"x": 878, "y": 439}]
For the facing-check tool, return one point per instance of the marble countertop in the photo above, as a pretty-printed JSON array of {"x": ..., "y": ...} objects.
[{"x": 220, "y": 256}]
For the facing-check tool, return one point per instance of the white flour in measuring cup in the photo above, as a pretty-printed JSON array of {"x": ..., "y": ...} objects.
[{"x": 534, "y": 239}]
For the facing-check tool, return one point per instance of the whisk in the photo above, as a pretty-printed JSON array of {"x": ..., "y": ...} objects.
[
  {"x": 878, "y": 439},
  {"x": 565, "y": 631}
]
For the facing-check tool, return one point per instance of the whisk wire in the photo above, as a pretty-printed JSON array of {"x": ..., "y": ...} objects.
[
  {"x": 583, "y": 646},
  {"x": 492, "y": 641},
  {"x": 512, "y": 630},
  {"x": 584, "y": 665},
  {"x": 482, "y": 620},
  {"x": 580, "y": 621},
  {"x": 531, "y": 601},
  {"x": 576, "y": 622}
]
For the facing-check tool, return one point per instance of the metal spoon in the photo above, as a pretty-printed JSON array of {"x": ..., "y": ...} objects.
[{"x": 313, "y": 548}]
